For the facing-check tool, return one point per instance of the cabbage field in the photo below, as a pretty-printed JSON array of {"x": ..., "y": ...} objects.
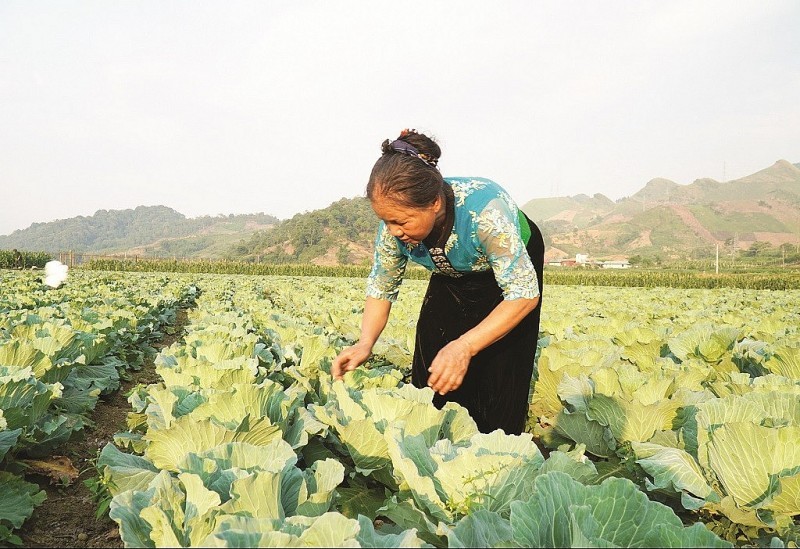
[{"x": 659, "y": 417}]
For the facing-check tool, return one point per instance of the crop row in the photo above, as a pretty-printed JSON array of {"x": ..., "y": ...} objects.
[
  {"x": 701, "y": 390},
  {"x": 691, "y": 395},
  {"x": 60, "y": 351},
  {"x": 247, "y": 441},
  {"x": 635, "y": 376}
]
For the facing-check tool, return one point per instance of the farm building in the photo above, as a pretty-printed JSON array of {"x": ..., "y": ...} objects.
[{"x": 624, "y": 264}]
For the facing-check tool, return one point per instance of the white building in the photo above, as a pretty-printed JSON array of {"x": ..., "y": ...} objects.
[{"x": 616, "y": 264}]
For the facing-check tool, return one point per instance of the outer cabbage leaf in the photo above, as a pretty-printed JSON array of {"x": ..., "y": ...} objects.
[
  {"x": 480, "y": 529},
  {"x": 448, "y": 481},
  {"x": 676, "y": 470},
  {"x": 362, "y": 419},
  {"x": 785, "y": 361},
  {"x": 565, "y": 513},
  {"x": 703, "y": 341},
  {"x": 123, "y": 472},
  {"x": 24, "y": 399},
  {"x": 328, "y": 530},
  {"x": 151, "y": 517},
  {"x": 369, "y": 537},
  {"x": 725, "y": 468},
  {"x": 168, "y": 447},
  {"x": 18, "y": 501},
  {"x": 750, "y": 475},
  {"x": 8, "y": 438},
  {"x": 186, "y": 370}
]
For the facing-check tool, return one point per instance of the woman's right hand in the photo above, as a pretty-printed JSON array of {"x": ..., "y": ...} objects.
[{"x": 350, "y": 359}]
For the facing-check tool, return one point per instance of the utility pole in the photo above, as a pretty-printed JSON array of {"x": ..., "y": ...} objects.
[{"x": 716, "y": 263}]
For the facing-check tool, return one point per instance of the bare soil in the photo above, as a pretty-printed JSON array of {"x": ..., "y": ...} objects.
[{"x": 67, "y": 517}]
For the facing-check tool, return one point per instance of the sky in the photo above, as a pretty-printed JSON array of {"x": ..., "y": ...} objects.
[{"x": 220, "y": 107}]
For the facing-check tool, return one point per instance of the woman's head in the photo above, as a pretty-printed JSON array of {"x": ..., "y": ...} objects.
[
  {"x": 406, "y": 171},
  {"x": 405, "y": 188}
]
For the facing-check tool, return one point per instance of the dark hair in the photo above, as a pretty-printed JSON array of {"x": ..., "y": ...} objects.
[{"x": 408, "y": 180}]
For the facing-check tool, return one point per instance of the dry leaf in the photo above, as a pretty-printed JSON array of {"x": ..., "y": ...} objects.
[{"x": 58, "y": 468}]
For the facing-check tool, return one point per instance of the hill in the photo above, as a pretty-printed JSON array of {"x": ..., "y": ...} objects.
[
  {"x": 145, "y": 230},
  {"x": 663, "y": 219},
  {"x": 342, "y": 233},
  {"x": 678, "y": 221}
]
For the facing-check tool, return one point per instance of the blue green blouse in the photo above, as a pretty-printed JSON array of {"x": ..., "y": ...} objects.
[{"x": 486, "y": 235}]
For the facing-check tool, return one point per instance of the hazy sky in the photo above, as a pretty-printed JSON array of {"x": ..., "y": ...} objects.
[{"x": 280, "y": 106}]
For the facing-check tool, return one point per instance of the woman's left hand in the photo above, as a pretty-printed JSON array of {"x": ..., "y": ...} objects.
[{"x": 448, "y": 369}]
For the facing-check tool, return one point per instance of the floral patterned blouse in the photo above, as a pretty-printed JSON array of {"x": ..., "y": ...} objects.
[{"x": 486, "y": 235}]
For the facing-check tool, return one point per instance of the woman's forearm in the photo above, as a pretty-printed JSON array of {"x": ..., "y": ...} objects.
[
  {"x": 498, "y": 323},
  {"x": 376, "y": 314}
]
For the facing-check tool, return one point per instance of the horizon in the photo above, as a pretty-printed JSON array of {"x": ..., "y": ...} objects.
[
  {"x": 280, "y": 108},
  {"x": 281, "y": 219}
]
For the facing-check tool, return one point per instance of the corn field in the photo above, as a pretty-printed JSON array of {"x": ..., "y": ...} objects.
[
  {"x": 29, "y": 259},
  {"x": 572, "y": 277}
]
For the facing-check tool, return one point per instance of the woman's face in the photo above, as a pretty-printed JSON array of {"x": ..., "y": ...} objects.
[{"x": 411, "y": 225}]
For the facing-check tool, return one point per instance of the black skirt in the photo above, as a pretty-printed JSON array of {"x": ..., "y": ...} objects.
[{"x": 497, "y": 384}]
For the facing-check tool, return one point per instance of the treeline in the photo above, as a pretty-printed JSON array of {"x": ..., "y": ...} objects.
[
  {"x": 121, "y": 229},
  {"x": 11, "y": 259},
  {"x": 309, "y": 235}
]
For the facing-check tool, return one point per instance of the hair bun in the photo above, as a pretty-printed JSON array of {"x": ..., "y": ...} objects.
[{"x": 414, "y": 143}]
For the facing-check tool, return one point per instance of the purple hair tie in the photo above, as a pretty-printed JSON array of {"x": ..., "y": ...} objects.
[{"x": 406, "y": 148}]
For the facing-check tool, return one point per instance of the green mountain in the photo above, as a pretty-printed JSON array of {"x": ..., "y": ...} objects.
[
  {"x": 677, "y": 221},
  {"x": 662, "y": 219},
  {"x": 342, "y": 233},
  {"x": 145, "y": 230}
]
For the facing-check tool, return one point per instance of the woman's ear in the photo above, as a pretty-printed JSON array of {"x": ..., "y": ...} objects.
[{"x": 438, "y": 204}]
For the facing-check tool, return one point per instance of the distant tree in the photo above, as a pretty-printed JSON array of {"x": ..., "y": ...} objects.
[
  {"x": 343, "y": 255},
  {"x": 701, "y": 253},
  {"x": 757, "y": 248}
]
